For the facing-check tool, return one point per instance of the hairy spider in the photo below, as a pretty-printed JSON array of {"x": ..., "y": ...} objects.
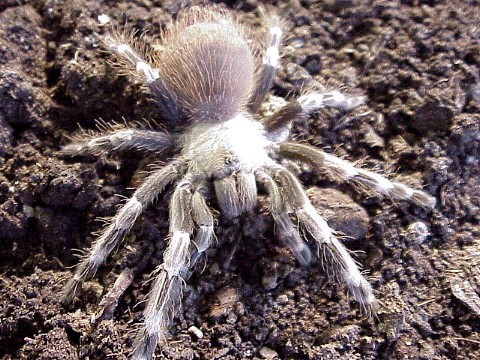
[{"x": 210, "y": 77}]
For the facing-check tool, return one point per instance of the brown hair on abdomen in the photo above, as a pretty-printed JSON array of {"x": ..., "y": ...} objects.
[{"x": 207, "y": 65}]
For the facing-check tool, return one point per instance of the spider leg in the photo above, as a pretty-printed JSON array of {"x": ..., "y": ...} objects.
[
  {"x": 120, "y": 226},
  {"x": 121, "y": 45},
  {"x": 270, "y": 62},
  {"x": 109, "y": 302},
  {"x": 284, "y": 227},
  {"x": 166, "y": 291},
  {"x": 338, "y": 260},
  {"x": 314, "y": 101},
  {"x": 347, "y": 172},
  {"x": 120, "y": 141},
  {"x": 203, "y": 218},
  {"x": 304, "y": 105}
]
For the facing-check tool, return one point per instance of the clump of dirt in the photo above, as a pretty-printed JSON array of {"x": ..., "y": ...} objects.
[{"x": 418, "y": 64}]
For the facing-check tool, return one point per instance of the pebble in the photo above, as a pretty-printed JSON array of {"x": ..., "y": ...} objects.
[
  {"x": 282, "y": 299},
  {"x": 267, "y": 353},
  {"x": 417, "y": 232},
  {"x": 195, "y": 331}
]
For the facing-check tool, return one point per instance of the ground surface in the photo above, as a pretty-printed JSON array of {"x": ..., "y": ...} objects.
[{"x": 418, "y": 64}]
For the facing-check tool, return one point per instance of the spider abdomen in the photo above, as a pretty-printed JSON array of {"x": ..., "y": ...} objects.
[{"x": 208, "y": 65}]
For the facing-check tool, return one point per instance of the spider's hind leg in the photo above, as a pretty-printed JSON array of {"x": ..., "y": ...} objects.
[
  {"x": 314, "y": 101},
  {"x": 270, "y": 63},
  {"x": 124, "y": 47}
]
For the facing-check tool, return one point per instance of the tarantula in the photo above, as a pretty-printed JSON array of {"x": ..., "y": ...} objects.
[{"x": 210, "y": 77}]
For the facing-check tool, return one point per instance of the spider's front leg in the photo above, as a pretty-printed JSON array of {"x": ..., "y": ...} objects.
[
  {"x": 204, "y": 221},
  {"x": 336, "y": 256},
  {"x": 187, "y": 208},
  {"x": 166, "y": 289},
  {"x": 120, "y": 226}
]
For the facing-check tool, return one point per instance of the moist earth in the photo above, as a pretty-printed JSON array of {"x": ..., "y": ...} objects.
[{"x": 416, "y": 61}]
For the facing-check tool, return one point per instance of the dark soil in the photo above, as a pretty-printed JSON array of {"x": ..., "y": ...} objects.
[{"x": 417, "y": 62}]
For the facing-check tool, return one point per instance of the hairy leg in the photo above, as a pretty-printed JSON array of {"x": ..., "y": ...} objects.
[
  {"x": 120, "y": 226},
  {"x": 120, "y": 141},
  {"x": 337, "y": 259},
  {"x": 123, "y": 45},
  {"x": 314, "y": 101},
  {"x": 270, "y": 62},
  {"x": 166, "y": 291},
  {"x": 204, "y": 221},
  {"x": 284, "y": 227},
  {"x": 305, "y": 105},
  {"x": 345, "y": 171}
]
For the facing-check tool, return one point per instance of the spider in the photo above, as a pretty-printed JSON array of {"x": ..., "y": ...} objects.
[{"x": 210, "y": 77}]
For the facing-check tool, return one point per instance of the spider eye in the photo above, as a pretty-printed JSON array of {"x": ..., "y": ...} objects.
[{"x": 231, "y": 160}]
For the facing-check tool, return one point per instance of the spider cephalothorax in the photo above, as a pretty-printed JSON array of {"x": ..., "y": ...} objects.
[{"x": 209, "y": 77}]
